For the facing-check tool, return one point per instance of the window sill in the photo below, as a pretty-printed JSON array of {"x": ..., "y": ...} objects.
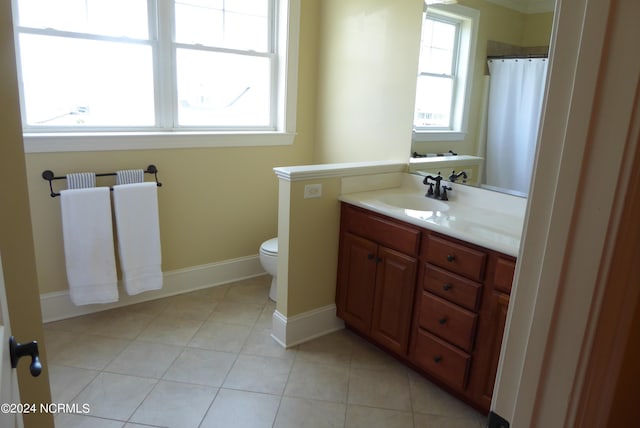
[
  {"x": 49, "y": 143},
  {"x": 438, "y": 136}
]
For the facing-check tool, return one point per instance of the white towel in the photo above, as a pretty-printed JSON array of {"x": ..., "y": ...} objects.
[
  {"x": 88, "y": 245},
  {"x": 81, "y": 180},
  {"x": 129, "y": 176},
  {"x": 138, "y": 229}
]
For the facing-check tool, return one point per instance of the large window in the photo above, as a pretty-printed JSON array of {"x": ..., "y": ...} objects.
[
  {"x": 151, "y": 65},
  {"x": 445, "y": 73}
]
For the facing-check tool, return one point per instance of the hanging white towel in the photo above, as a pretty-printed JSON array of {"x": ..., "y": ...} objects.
[
  {"x": 138, "y": 230},
  {"x": 81, "y": 180},
  {"x": 88, "y": 245},
  {"x": 129, "y": 176}
]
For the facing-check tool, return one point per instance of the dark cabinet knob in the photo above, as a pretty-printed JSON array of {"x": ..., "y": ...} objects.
[
  {"x": 19, "y": 350},
  {"x": 370, "y": 256},
  {"x": 437, "y": 359},
  {"x": 447, "y": 287},
  {"x": 451, "y": 257},
  {"x": 442, "y": 320}
]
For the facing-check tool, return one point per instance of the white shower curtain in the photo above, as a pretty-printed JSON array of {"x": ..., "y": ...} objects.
[{"x": 515, "y": 102}]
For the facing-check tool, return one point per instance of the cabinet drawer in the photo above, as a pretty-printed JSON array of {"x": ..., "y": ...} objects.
[
  {"x": 441, "y": 359},
  {"x": 455, "y": 257},
  {"x": 503, "y": 276},
  {"x": 448, "y": 321},
  {"x": 450, "y": 286},
  {"x": 384, "y": 231}
]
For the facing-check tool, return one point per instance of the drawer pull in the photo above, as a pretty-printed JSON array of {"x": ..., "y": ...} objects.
[
  {"x": 442, "y": 320},
  {"x": 370, "y": 256},
  {"x": 437, "y": 359},
  {"x": 447, "y": 287},
  {"x": 451, "y": 257}
]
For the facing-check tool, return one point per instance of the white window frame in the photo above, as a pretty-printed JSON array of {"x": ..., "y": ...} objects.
[
  {"x": 468, "y": 19},
  {"x": 287, "y": 12}
]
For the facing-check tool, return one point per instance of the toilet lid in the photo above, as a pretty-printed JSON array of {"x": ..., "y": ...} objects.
[{"x": 270, "y": 246}]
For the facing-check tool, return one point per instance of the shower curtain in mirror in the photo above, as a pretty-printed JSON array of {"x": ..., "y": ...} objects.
[{"x": 515, "y": 102}]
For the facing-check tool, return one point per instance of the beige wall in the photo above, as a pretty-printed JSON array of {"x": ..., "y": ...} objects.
[
  {"x": 537, "y": 29},
  {"x": 502, "y": 25},
  {"x": 368, "y": 62},
  {"x": 216, "y": 204},
  {"x": 311, "y": 253}
]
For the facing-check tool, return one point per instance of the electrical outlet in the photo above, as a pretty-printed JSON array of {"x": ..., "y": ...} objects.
[{"x": 312, "y": 191}]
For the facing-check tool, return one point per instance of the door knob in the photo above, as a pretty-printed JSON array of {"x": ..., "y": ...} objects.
[{"x": 19, "y": 350}]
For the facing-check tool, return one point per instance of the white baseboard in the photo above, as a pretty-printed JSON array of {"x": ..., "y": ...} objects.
[
  {"x": 57, "y": 305},
  {"x": 303, "y": 327}
]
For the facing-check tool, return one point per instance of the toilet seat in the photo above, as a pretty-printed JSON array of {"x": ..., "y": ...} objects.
[{"x": 270, "y": 247}]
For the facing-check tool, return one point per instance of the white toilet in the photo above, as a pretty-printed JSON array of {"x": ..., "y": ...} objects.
[{"x": 269, "y": 261}]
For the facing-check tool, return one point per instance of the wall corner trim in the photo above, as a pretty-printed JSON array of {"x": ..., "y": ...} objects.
[{"x": 292, "y": 331}]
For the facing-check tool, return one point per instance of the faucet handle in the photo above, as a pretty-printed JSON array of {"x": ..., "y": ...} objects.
[
  {"x": 443, "y": 195},
  {"x": 430, "y": 191}
]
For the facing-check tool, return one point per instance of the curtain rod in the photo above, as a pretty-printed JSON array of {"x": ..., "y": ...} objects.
[{"x": 532, "y": 56}]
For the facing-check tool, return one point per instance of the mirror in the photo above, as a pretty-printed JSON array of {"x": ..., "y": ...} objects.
[{"x": 496, "y": 143}]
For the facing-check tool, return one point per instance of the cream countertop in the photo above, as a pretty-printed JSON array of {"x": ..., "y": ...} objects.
[{"x": 489, "y": 219}]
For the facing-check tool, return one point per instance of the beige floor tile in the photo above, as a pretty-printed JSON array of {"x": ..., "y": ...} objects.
[
  {"x": 145, "y": 359},
  {"x": 89, "y": 352},
  {"x": 334, "y": 348},
  {"x": 201, "y": 367},
  {"x": 386, "y": 388},
  {"x": 432, "y": 421},
  {"x": 265, "y": 320},
  {"x": 121, "y": 323},
  {"x": 220, "y": 336},
  {"x": 80, "y": 324},
  {"x": 430, "y": 399},
  {"x": 68, "y": 420},
  {"x": 318, "y": 381},
  {"x": 57, "y": 341},
  {"x": 214, "y": 293},
  {"x": 303, "y": 413},
  {"x": 67, "y": 382},
  {"x": 132, "y": 425},
  {"x": 241, "y": 313},
  {"x": 175, "y": 405},
  {"x": 252, "y": 290},
  {"x": 367, "y": 356},
  {"x": 261, "y": 343},
  {"x": 115, "y": 396},
  {"x": 369, "y": 417},
  {"x": 189, "y": 306},
  {"x": 241, "y": 409},
  {"x": 152, "y": 307},
  {"x": 259, "y": 374},
  {"x": 173, "y": 330}
]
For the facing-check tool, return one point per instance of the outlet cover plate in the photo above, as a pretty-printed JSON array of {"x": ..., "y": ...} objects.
[{"x": 312, "y": 191}]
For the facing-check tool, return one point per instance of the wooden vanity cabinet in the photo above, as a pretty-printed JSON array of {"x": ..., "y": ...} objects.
[
  {"x": 438, "y": 303},
  {"x": 493, "y": 317},
  {"x": 446, "y": 309},
  {"x": 376, "y": 277}
]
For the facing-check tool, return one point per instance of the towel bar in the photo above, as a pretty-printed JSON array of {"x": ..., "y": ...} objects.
[{"x": 50, "y": 176}]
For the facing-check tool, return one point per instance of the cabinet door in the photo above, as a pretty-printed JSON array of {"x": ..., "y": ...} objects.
[
  {"x": 499, "y": 306},
  {"x": 356, "y": 281},
  {"x": 395, "y": 284}
]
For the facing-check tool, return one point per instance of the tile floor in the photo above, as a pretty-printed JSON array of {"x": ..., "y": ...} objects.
[{"x": 206, "y": 359}]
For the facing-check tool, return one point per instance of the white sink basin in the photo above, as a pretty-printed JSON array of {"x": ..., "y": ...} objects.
[{"x": 414, "y": 202}]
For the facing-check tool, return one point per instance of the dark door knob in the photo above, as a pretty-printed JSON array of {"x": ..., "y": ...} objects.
[{"x": 19, "y": 350}]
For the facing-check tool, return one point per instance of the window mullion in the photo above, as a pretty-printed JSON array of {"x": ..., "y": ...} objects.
[{"x": 166, "y": 110}]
